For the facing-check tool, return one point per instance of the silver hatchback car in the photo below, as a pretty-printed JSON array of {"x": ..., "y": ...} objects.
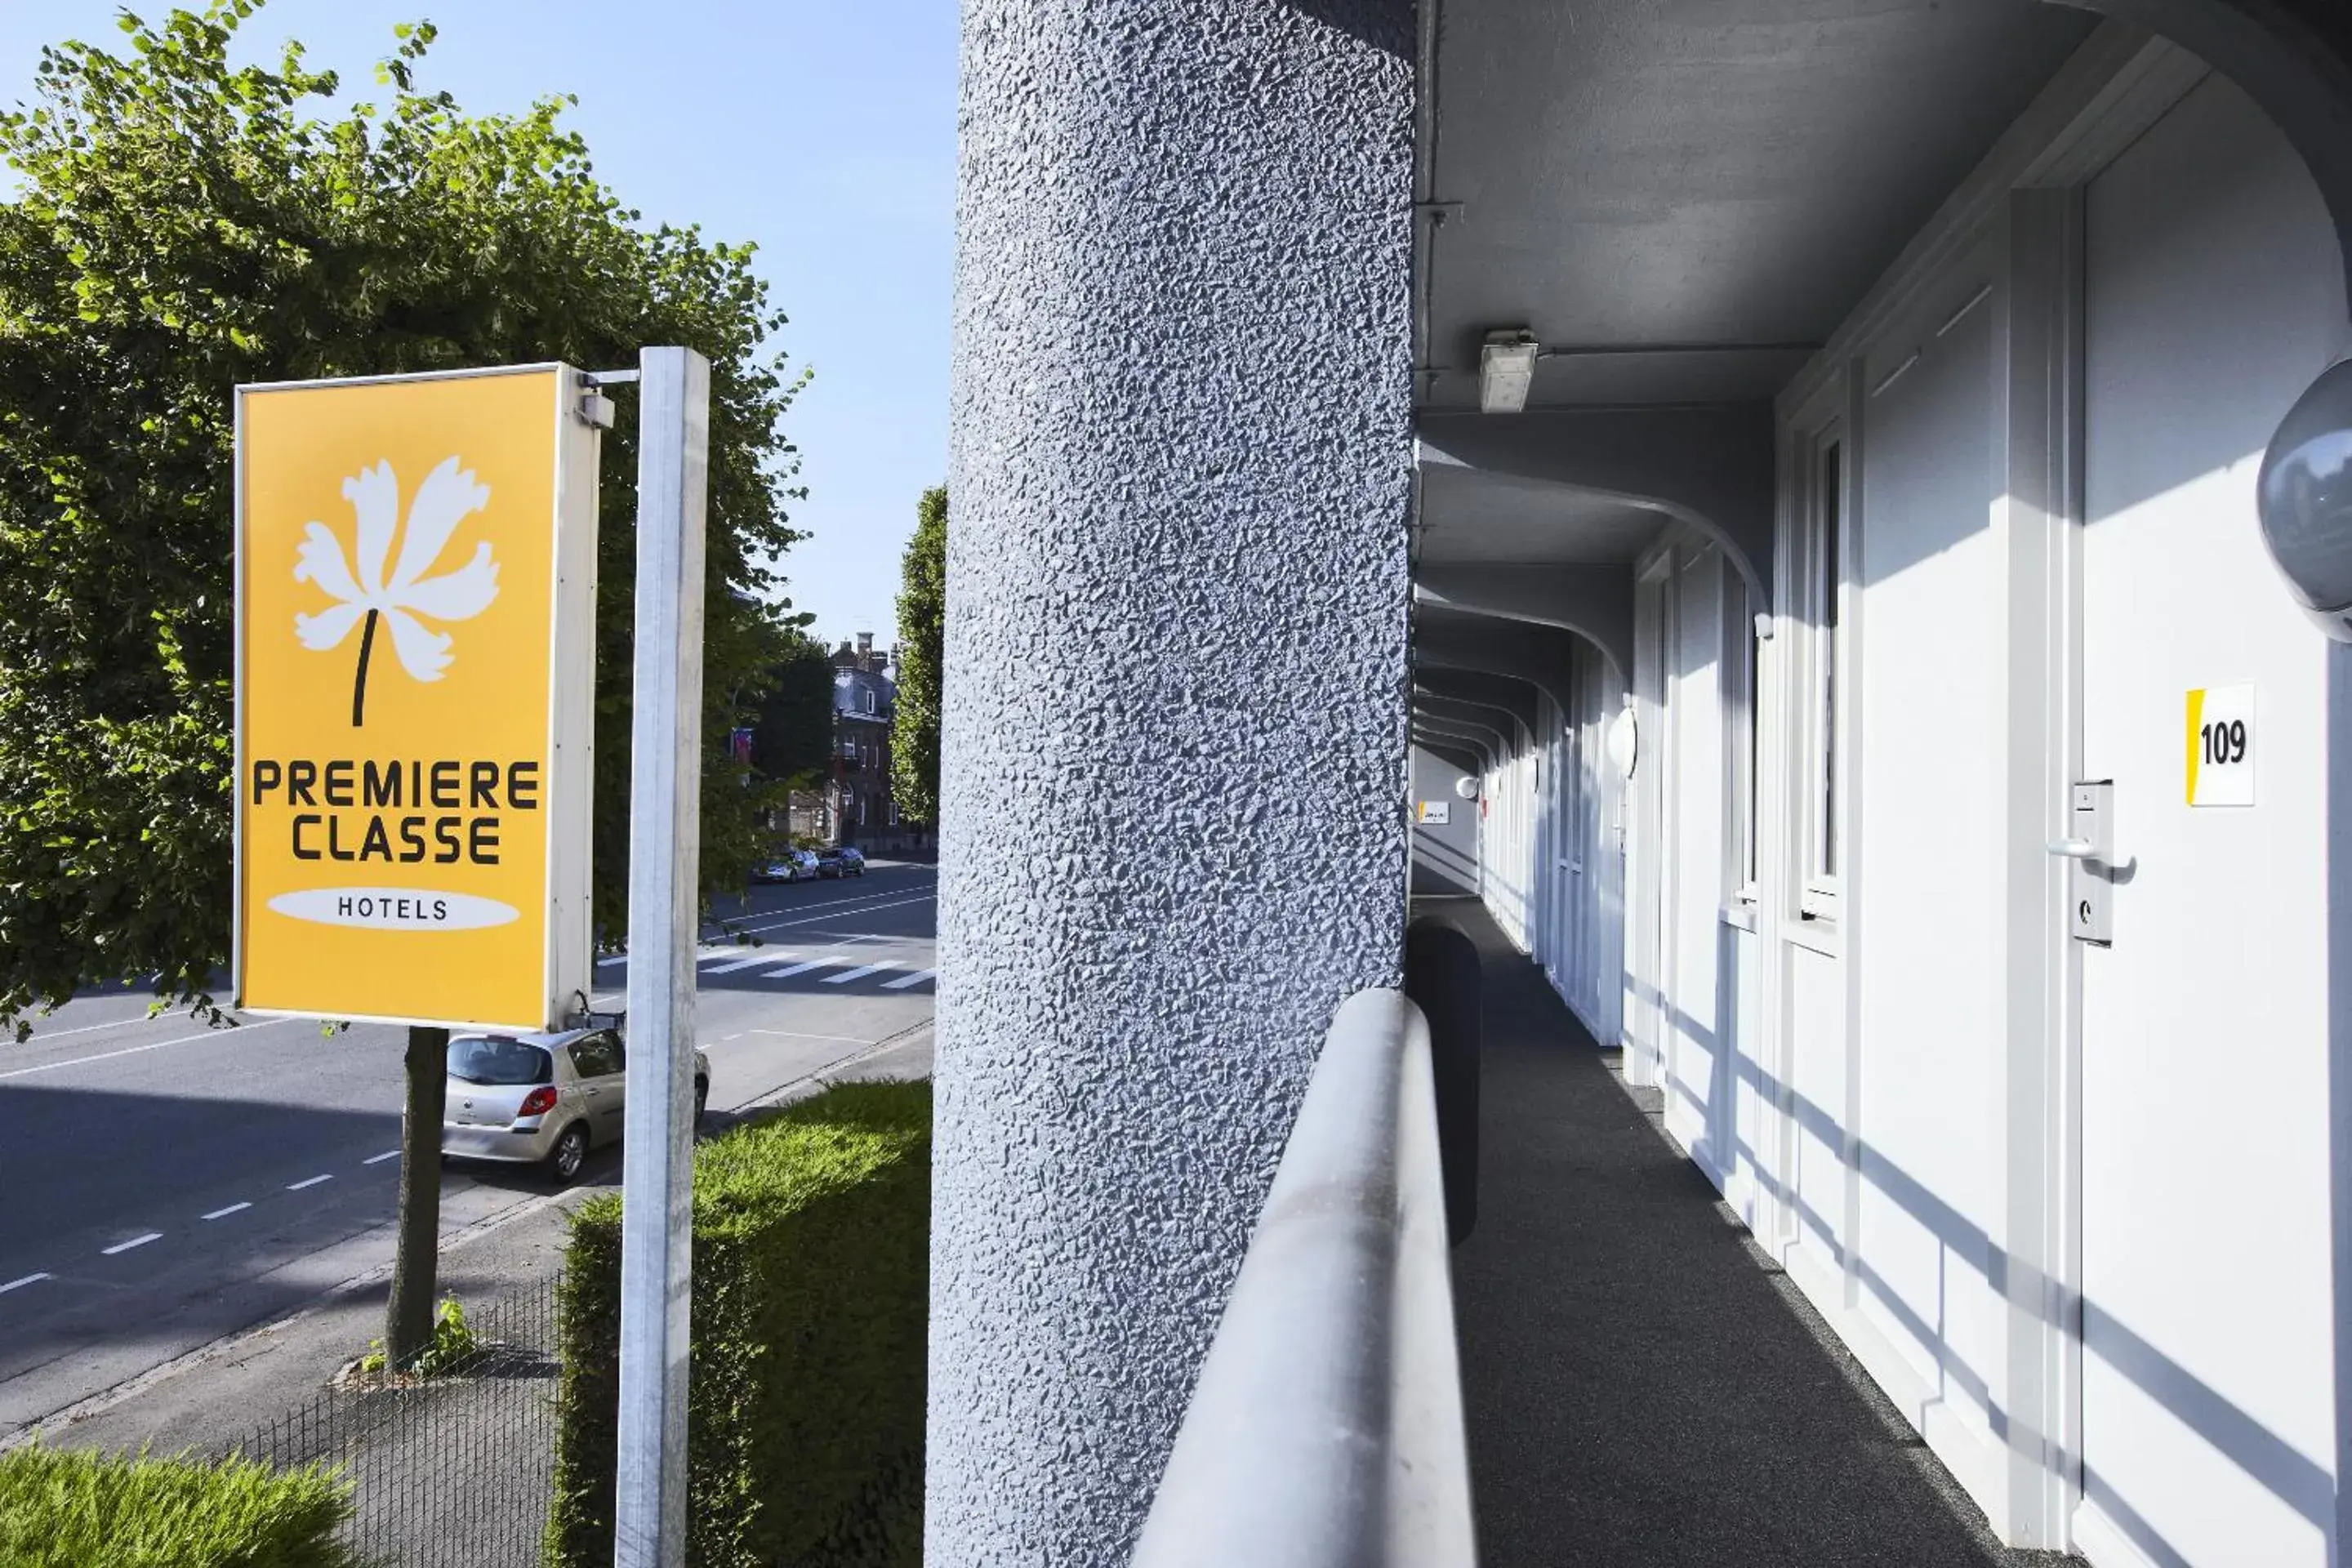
[{"x": 542, "y": 1099}]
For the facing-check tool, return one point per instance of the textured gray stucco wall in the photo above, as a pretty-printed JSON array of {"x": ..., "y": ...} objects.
[{"x": 1174, "y": 743}]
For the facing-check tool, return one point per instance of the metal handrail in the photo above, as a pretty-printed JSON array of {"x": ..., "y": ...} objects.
[{"x": 1326, "y": 1428}]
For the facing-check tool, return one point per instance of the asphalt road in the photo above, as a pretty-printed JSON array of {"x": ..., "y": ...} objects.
[{"x": 162, "y": 1184}]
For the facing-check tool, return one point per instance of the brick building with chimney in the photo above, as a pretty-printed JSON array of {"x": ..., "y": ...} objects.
[{"x": 855, "y": 805}]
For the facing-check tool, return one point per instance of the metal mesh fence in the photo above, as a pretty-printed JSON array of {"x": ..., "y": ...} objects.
[{"x": 455, "y": 1468}]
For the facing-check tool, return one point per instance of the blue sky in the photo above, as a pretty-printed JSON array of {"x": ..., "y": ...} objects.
[{"x": 825, "y": 132}]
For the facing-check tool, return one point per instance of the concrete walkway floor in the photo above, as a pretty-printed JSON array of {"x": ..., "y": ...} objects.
[{"x": 1644, "y": 1386}]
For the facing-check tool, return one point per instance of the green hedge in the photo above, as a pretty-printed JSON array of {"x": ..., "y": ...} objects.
[
  {"x": 810, "y": 1280},
  {"x": 88, "y": 1509}
]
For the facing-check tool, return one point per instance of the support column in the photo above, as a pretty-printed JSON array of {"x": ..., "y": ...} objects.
[{"x": 1174, "y": 752}]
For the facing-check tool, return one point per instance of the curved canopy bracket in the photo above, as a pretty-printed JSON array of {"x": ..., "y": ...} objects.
[
  {"x": 1596, "y": 603},
  {"x": 1711, "y": 467},
  {"x": 1512, "y": 696},
  {"x": 1543, "y": 657},
  {"x": 1502, "y": 721}
]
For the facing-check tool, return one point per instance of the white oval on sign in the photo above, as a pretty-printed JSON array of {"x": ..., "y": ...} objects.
[{"x": 393, "y": 909}]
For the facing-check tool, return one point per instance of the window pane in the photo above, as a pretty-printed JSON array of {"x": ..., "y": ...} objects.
[
  {"x": 1755, "y": 750},
  {"x": 1833, "y": 503},
  {"x": 498, "y": 1060},
  {"x": 593, "y": 1056}
]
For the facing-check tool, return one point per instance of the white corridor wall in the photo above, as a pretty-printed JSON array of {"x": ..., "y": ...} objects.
[
  {"x": 2071, "y": 1207},
  {"x": 1551, "y": 842}
]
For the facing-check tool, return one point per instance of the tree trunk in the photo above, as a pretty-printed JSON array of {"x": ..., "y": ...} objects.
[{"x": 408, "y": 1321}]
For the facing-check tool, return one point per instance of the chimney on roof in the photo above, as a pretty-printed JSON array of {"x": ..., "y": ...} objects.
[{"x": 865, "y": 651}]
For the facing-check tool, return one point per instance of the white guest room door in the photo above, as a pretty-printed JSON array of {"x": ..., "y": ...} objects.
[{"x": 2214, "y": 295}]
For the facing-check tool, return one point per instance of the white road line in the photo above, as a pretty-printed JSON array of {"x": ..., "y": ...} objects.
[
  {"x": 127, "y": 1246},
  {"x": 224, "y": 1214},
  {"x": 18, "y": 1284},
  {"x": 893, "y": 898},
  {"x": 134, "y": 1050},
  {"x": 869, "y": 909},
  {"x": 801, "y": 968},
  {"x": 313, "y": 1182},
  {"x": 906, "y": 980},
  {"x": 752, "y": 962},
  {"x": 380, "y": 1158},
  {"x": 858, "y": 897},
  {"x": 86, "y": 1028},
  {"x": 862, "y": 972},
  {"x": 794, "y": 1034}
]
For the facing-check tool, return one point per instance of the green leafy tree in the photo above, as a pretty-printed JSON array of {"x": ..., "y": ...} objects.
[
  {"x": 922, "y": 621},
  {"x": 793, "y": 742},
  {"x": 183, "y": 226}
]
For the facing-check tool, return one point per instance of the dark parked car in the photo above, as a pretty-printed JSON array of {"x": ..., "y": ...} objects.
[{"x": 842, "y": 860}]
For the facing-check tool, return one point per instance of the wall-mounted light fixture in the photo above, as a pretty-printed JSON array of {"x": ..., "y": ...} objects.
[
  {"x": 1623, "y": 742},
  {"x": 1466, "y": 787},
  {"x": 1506, "y": 366},
  {"x": 2305, "y": 500}
]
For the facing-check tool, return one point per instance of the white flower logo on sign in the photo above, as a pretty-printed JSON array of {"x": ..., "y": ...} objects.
[{"x": 446, "y": 497}]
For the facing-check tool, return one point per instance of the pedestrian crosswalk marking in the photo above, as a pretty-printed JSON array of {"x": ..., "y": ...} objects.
[
  {"x": 753, "y": 962},
  {"x": 737, "y": 960}
]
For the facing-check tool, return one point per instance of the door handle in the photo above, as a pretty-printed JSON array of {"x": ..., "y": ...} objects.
[{"x": 2073, "y": 848}]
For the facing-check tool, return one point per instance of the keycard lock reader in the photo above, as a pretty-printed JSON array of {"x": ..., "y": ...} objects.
[{"x": 2089, "y": 846}]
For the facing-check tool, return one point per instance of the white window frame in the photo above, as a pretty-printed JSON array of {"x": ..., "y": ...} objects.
[{"x": 1823, "y": 735}]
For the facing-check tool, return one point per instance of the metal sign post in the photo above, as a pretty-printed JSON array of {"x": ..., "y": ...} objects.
[{"x": 665, "y": 836}]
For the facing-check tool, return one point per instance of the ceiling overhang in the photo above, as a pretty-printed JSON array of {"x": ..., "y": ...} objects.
[{"x": 1680, "y": 201}]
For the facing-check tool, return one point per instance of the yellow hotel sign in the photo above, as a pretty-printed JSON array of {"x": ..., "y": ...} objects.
[{"x": 416, "y": 561}]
